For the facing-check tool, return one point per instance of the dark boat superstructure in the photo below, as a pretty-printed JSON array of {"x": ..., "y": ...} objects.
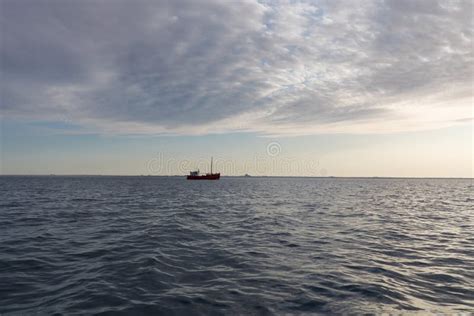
[{"x": 194, "y": 175}]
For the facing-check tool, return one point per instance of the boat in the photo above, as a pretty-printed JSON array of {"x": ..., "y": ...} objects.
[{"x": 194, "y": 175}]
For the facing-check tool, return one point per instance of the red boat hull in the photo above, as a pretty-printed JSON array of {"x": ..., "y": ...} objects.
[{"x": 212, "y": 176}]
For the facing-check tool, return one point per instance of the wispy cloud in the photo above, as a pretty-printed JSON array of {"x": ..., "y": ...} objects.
[{"x": 275, "y": 67}]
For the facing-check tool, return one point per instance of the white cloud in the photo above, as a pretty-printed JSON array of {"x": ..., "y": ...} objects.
[{"x": 278, "y": 68}]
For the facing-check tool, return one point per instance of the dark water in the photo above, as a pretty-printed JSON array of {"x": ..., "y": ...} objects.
[{"x": 148, "y": 245}]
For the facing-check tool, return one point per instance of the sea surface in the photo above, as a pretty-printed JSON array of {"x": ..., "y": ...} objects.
[{"x": 164, "y": 245}]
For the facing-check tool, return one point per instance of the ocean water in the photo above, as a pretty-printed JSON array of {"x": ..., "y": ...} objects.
[{"x": 151, "y": 245}]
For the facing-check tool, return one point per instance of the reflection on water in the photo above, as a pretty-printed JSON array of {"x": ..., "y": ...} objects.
[{"x": 238, "y": 245}]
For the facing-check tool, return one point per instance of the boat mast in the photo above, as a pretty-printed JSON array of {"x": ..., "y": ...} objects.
[{"x": 211, "y": 165}]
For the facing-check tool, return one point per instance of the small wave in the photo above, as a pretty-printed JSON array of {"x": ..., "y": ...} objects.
[{"x": 113, "y": 245}]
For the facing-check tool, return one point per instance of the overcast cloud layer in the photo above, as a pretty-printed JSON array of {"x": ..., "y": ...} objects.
[{"x": 275, "y": 67}]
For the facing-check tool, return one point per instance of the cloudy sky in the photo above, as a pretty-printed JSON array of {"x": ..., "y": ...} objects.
[{"x": 384, "y": 78}]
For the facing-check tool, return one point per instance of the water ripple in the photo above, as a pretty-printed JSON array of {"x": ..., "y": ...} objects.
[{"x": 150, "y": 245}]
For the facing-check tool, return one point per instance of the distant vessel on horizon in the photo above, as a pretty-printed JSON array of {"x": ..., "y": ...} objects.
[{"x": 194, "y": 175}]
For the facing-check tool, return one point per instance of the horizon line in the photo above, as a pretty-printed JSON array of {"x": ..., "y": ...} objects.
[{"x": 231, "y": 176}]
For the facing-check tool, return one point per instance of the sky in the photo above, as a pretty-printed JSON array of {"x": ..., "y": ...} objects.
[{"x": 305, "y": 88}]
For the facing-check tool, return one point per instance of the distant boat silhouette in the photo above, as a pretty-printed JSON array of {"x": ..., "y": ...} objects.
[{"x": 194, "y": 175}]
